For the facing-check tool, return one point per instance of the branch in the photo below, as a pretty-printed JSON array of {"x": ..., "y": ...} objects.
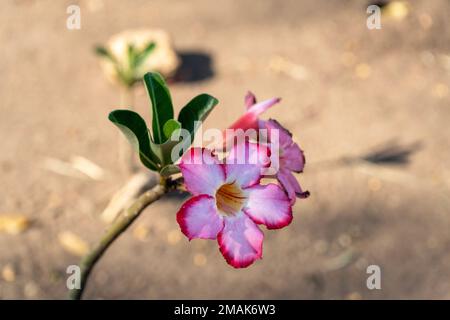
[{"x": 116, "y": 229}]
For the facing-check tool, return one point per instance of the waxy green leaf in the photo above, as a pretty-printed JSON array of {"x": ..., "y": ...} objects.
[
  {"x": 170, "y": 126},
  {"x": 161, "y": 104},
  {"x": 196, "y": 110},
  {"x": 164, "y": 151},
  {"x": 135, "y": 130}
]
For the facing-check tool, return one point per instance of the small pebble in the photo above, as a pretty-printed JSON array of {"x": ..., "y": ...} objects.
[
  {"x": 353, "y": 296},
  {"x": 440, "y": 90},
  {"x": 363, "y": 70},
  {"x": 141, "y": 232},
  {"x": 174, "y": 236},
  {"x": 13, "y": 223},
  {"x": 8, "y": 273},
  {"x": 397, "y": 10},
  {"x": 73, "y": 243},
  {"x": 200, "y": 260},
  {"x": 31, "y": 290}
]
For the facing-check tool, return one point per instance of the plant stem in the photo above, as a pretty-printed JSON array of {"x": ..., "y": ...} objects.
[
  {"x": 127, "y": 97},
  {"x": 119, "y": 226}
]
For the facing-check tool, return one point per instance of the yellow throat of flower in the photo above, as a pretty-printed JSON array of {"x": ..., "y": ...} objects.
[{"x": 230, "y": 199}]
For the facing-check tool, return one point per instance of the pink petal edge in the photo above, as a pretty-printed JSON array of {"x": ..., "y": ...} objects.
[
  {"x": 198, "y": 218},
  {"x": 269, "y": 205},
  {"x": 240, "y": 241}
]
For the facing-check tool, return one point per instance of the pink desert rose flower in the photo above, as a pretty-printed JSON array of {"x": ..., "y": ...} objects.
[
  {"x": 291, "y": 159},
  {"x": 249, "y": 120},
  {"x": 229, "y": 202}
]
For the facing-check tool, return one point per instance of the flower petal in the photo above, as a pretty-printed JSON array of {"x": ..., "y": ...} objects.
[
  {"x": 258, "y": 108},
  {"x": 269, "y": 205},
  {"x": 246, "y": 121},
  {"x": 202, "y": 171},
  {"x": 240, "y": 241},
  {"x": 285, "y": 137},
  {"x": 291, "y": 185},
  {"x": 250, "y": 118},
  {"x": 245, "y": 163},
  {"x": 250, "y": 99},
  {"x": 293, "y": 158},
  {"x": 198, "y": 218}
]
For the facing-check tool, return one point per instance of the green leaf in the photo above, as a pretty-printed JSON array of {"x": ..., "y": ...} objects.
[
  {"x": 161, "y": 104},
  {"x": 135, "y": 130},
  {"x": 143, "y": 55},
  {"x": 105, "y": 53},
  {"x": 123, "y": 75},
  {"x": 164, "y": 151},
  {"x": 170, "y": 126},
  {"x": 196, "y": 110},
  {"x": 131, "y": 57}
]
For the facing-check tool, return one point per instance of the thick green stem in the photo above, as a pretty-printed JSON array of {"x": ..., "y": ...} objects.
[{"x": 119, "y": 226}]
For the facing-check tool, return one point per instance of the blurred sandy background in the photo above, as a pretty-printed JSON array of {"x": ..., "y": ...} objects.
[{"x": 346, "y": 90}]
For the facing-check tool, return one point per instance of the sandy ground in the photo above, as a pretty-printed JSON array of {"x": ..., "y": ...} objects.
[{"x": 352, "y": 90}]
